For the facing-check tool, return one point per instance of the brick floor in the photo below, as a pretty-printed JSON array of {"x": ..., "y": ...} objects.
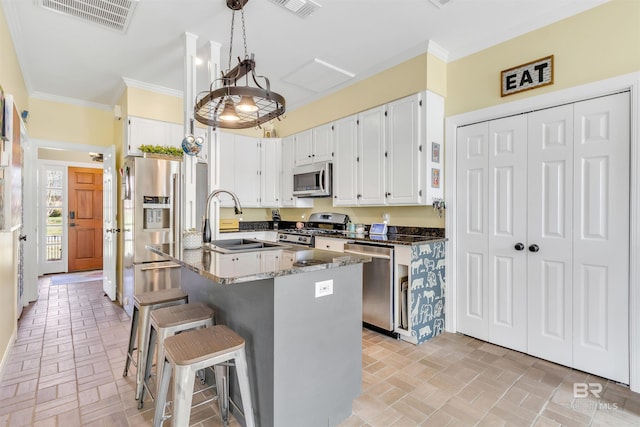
[{"x": 65, "y": 369}]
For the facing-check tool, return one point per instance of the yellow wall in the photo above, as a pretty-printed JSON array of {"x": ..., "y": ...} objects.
[
  {"x": 12, "y": 83},
  {"x": 54, "y": 121},
  {"x": 600, "y": 43},
  {"x": 11, "y": 78}
]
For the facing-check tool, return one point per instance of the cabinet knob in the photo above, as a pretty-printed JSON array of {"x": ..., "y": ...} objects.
[
  {"x": 534, "y": 248},
  {"x": 519, "y": 246}
]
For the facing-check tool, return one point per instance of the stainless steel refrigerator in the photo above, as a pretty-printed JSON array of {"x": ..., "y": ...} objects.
[{"x": 151, "y": 192}]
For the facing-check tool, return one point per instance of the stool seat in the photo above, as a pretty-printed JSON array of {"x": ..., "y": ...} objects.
[
  {"x": 179, "y": 314},
  {"x": 202, "y": 344},
  {"x": 159, "y": 297},
  {"x": 197, "y": 349}
]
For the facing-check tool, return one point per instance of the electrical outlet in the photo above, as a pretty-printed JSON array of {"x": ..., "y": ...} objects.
[{"x": 324, "y": 288}]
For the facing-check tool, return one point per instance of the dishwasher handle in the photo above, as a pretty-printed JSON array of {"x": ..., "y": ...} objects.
[{"x": 383, "y": 252}]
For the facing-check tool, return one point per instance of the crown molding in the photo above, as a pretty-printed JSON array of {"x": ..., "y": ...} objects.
[
  {"x": 438, "y": 51},
  {"x": 152, "y": 88}
]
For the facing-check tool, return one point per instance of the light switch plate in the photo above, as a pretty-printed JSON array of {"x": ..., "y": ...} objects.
[{"x": 324, "y": 288}]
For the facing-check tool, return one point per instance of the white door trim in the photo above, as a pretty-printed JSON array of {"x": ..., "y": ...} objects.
[
  {"x": 30, "y": 204},
  {"x": 600, "y": 88}
]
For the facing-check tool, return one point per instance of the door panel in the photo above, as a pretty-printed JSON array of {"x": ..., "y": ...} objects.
[
  {"x": 472, "y": 223},
  {"x": 567, "y": 200},
  {"x": 85, "y": 219},
  {"x": 371, "y": 152},
  {"x": 110, "y": 226},
  {"x": 507, "y": 227},
  {"x": 601, "y": 237},
  {"x": 550, "y": 191}
]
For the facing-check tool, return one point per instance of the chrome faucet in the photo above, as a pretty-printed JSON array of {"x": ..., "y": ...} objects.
[{"x": 206, "y": 227}]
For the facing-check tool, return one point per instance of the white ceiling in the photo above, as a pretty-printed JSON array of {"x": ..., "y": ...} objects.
[{"x": 64, "y": 58}]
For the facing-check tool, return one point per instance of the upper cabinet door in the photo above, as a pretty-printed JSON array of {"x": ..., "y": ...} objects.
[
  {"x": 404, "y": 140},
  {"x": 345, "y": 165},
  {"x": 322, "y": 149},
  {"x": 303, "y": 148},
  {"x": 270, "y": 173},
  {"x": 151, "y": 132},
  {"x": 371, "y": 148},
  {"x": 247, "y": 170}
]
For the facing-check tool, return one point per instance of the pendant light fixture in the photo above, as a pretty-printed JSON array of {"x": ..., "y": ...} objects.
[{"x": 230, "y": 104}]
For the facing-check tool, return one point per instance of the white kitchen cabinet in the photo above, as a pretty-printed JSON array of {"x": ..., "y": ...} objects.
[
  {"x": 371, "y": 161},
  {"x": 242, "y": 264},
  {"x": 276, "y": 260},
  {"x": 140, "y": 131},
  {"x": 287, "y": 198},
  {"x": 330, "y": 243},
  {"x": 323, "y": 142},
  {"x": 270, "y": 171},
  {"x": 239, "y": 166},
  {"x": 314, "y": 145},
  {"x": 390, "y": 155},
  {"x": 358, "y": 173},
  {"x": 404, "y": 142},
  {"x": 345, "y": 164},
  {"x": 303, "y": 148}
]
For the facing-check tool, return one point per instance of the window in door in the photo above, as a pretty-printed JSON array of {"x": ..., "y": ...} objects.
[
  {"x": 53, "y": 215},
  {"x": 51, "y": 219}
]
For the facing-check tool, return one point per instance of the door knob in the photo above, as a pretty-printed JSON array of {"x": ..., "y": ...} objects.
[
  {"x": 22, "y": 237},
  {"x": 534, "y": 248},
  {"x": 519, "y": 246}
]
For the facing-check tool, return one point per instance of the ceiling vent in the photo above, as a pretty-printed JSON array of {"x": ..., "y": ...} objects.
[
  {"x": 439, "y": 3},
  {"x": 302, "y": 8},
  {"x": 113, "y": 14}
]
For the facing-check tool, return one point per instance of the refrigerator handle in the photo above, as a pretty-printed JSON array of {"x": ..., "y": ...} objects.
[{"x": 175, "y": 206}]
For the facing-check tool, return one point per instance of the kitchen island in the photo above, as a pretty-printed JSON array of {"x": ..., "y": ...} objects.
[{"x": 300, "y": 312}]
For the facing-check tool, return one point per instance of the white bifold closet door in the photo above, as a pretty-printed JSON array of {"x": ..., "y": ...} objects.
[{"x": 543, "y": 225}]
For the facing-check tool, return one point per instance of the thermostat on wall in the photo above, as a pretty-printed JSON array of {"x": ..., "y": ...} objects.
[{"x": 378, "y": 229}]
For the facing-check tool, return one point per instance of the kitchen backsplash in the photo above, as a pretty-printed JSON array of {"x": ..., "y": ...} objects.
[{"x": 411, "y": 216}]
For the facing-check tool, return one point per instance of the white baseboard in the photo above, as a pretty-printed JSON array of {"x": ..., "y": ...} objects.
[{"x": 7, "y": 352}]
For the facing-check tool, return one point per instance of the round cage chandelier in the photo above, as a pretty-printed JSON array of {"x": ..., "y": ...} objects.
[{"x": 233, "y": 105}]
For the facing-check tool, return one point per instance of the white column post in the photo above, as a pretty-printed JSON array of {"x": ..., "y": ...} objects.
[
  {"x": 214, "y": 149},
  {"x": 189, "y": 163}
]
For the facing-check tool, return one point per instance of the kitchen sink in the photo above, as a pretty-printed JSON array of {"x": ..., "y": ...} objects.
[{"x": 242, "y": 245}]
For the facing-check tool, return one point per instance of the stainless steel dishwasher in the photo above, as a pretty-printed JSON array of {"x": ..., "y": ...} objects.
[{"x": 377, "y": 284}]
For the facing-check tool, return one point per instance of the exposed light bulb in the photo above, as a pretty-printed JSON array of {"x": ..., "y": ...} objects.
[
  {"x": 247, "y": 104},
  {"x": 229, "y": 112}
]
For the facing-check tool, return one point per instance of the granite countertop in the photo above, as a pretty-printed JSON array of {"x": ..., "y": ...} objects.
[
  {"x": 391, "y": 239},
  {"x": 240, "y": 267}
]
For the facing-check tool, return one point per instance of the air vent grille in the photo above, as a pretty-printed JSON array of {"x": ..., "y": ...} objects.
[
  {"x": 113, "y": 14},
  {"x": 439, "y": 3},
  {"x": 302, "y": 8}
]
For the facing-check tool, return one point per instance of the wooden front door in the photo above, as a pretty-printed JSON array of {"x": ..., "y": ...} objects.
[{"x": 85, "y": 219}]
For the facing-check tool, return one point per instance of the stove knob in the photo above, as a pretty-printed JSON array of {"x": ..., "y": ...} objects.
[{"x": 300, "y": 239}]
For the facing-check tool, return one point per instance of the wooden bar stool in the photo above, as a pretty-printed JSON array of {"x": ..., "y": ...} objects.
[
  {"x": 166, "y": 322},
  {"x": 143, "y": 304},
  {"x": 191, "y": 351}
]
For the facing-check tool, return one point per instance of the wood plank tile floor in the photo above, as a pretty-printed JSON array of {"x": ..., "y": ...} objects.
[{"x": 65, "y": 369}]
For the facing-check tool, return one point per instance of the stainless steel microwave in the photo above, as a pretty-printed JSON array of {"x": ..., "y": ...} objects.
[{"x": 312, "y": 180}]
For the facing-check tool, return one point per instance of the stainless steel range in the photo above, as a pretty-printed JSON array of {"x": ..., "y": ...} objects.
[{"x": 318, "y": 224}]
